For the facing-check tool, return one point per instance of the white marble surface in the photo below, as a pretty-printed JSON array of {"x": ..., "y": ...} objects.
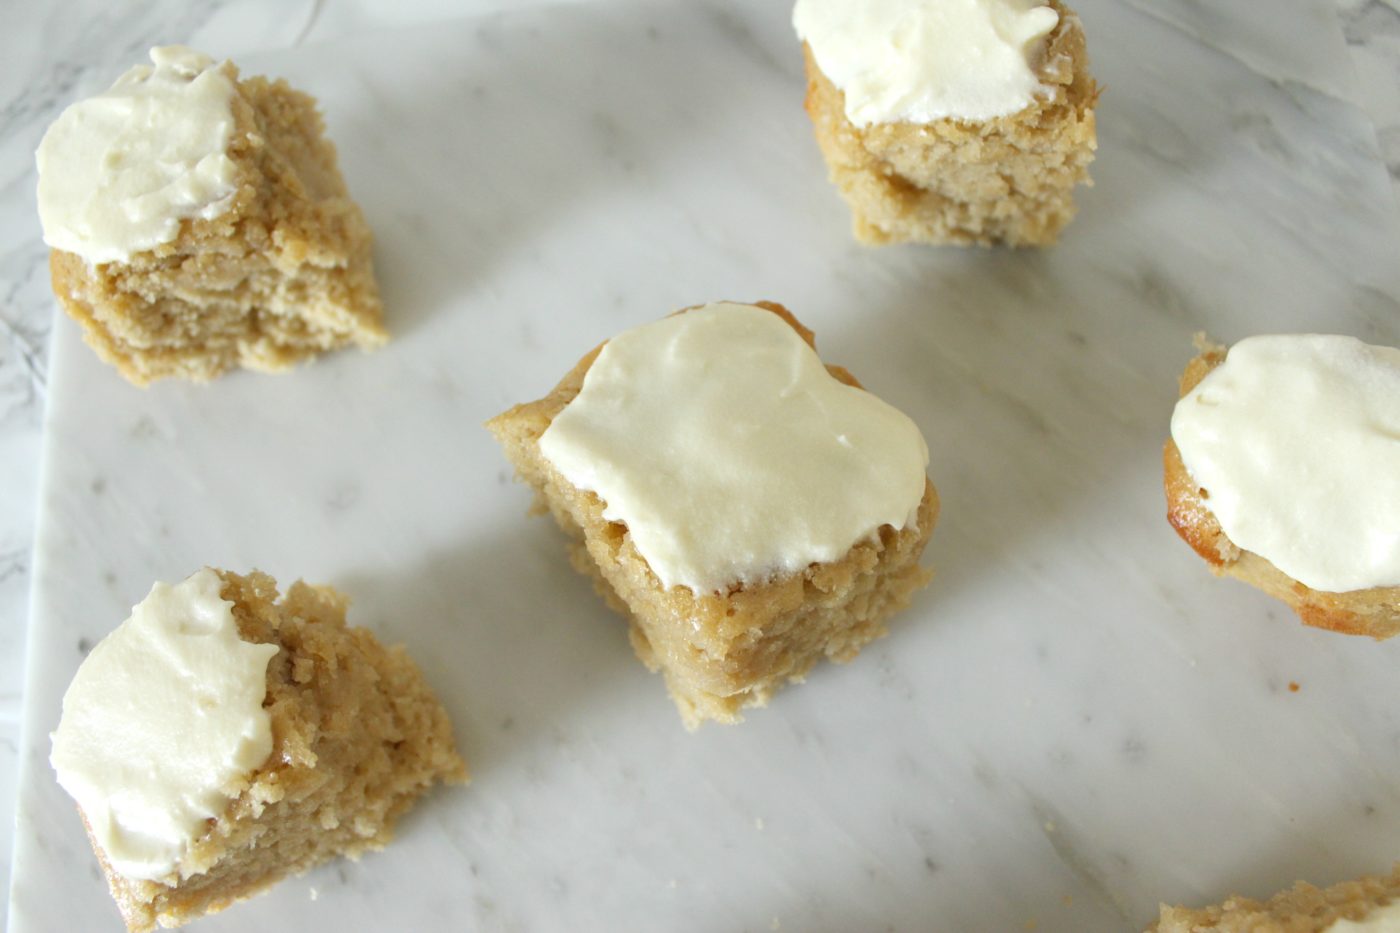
[{"x": 1074, "y": 722}]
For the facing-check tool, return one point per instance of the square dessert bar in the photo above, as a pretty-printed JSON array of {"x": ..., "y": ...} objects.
[
  {"x": 282, "y": 274},
  {"x": 722, "y": 651},
  {"x": 357, "y": 738},
  {"x": 1004, "y": 180}
]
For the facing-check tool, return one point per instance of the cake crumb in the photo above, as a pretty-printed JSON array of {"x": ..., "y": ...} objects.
[{"x": 1294, "y": 686}]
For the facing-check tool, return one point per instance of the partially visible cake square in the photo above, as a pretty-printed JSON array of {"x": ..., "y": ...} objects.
[
  {"x": 1317, "y": 466},
  {"x": 278, "y": 271},
  {"x": 1371, "y": 903},
  {"x": 357, "y": 737},
  {"x": 1006, "y": 180},
  {"x": 722, "y": 650}
]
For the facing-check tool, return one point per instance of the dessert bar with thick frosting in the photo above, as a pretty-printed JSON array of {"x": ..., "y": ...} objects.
[{"x": 720, "y": 440}]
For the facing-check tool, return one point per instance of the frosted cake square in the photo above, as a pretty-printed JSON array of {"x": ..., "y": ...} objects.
[
  {"x": 1283, "y": 471},
  {"x": 951, "y": 121},
  {"x": 222, "y": 739},
  {"x": 749, "y": 510},
  {"x": 199, "y": 222}
]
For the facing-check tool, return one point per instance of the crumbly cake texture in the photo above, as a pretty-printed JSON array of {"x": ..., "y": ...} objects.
[
  {"x": 1008, "y": 180},
  {"x": 1302, "y": 908},
  {"x": 1374, "y": 611},
  {"x": 721, "y": 652},
  {"x": 357, "y": 738},
  {"x": 282, "y": 275}
]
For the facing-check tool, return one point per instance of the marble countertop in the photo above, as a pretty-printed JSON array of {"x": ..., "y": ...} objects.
[{"x": 54, "y": 53}]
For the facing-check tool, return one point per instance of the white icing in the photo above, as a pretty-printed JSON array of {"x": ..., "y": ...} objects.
[
  {"x": 926, "y": 60},
  {"x": 1381, "y": 920},
  {"x": 119, "y": 171},
  {"x": 161, "y": 720},
  {"x": 1296, "y": 440},
  {"x": 731, "y": 454}
]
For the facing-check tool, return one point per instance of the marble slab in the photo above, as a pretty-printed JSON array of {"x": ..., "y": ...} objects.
[{"x": 1073, "y": 722}]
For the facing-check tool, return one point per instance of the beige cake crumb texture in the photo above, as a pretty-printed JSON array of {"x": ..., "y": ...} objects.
[
  {"x": 357, "y": 738},
  {"x": 282, "y": 275},
  {"x": 722, "y": 652},
  {"x": 1302, "y": 908},
  {"x": 1004, "y": 181},
  {"x": 1374, "y": 612}
]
